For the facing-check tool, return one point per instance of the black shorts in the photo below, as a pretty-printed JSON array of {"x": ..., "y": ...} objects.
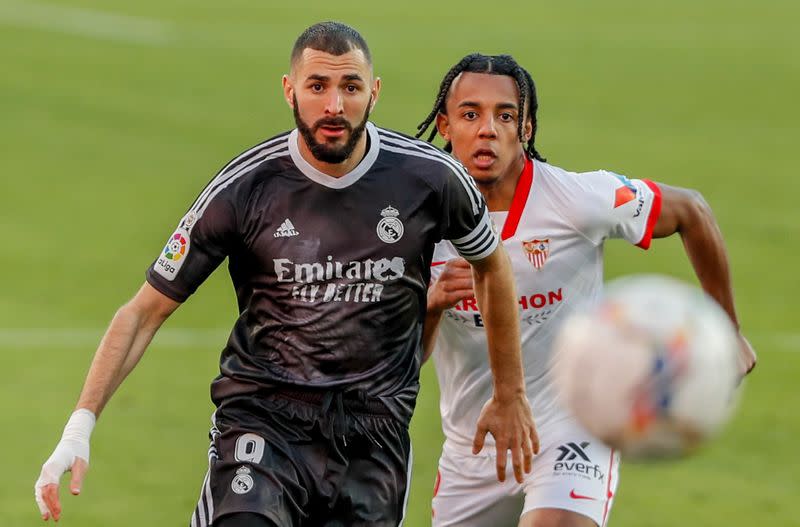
[{"x": 307, "y": 459}]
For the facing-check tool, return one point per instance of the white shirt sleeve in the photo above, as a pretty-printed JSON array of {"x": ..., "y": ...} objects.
[
  {"x": 613, "y": 206},
  {"x": 442, "y": 253}
]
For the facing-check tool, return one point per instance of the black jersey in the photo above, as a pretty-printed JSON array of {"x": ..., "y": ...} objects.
[{"x": 330, "y": 273}]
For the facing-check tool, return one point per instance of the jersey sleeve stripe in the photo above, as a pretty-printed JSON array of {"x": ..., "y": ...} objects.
[
  {"x": 234, "y": 169},
  {"x": 487, "y": 249},
  {"x": 478, "y": 247},
  {"x": 480, "y": 243},
  {"x": 655, "y": 212},
  {"x": 415, "y": 148},
  {"x": 484, "y": 223},
  {"x": 476, "y": 238}
]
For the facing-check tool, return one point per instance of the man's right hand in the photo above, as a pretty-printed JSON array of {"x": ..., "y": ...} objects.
[
  {"x": 511, "y": 423},
  {"x": 452, "y": 286},
  {"x": 70, "y": 455}
]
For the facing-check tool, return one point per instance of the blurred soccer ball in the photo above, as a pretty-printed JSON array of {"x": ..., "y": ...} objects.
[{"x": 651, "y": 369}]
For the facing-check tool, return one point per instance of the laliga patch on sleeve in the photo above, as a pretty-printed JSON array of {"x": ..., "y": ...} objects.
[{"x": 174, "y": 254}]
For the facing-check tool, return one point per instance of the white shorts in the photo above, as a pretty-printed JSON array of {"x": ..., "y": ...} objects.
[{"x": 573, "y": 471}]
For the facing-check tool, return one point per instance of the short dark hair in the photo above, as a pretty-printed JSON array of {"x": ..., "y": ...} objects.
[
  {"x": 493, "y": 65},
  {"x": 331, "y": 37}
]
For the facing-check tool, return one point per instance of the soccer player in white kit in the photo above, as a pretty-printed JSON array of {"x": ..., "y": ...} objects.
[{"x": 553, "y": 224}]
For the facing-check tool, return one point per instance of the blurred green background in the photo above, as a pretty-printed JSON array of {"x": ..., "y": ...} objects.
[{"x": 113, "y": 116}]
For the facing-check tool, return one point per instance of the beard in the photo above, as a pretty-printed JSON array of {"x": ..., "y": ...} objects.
[{"x": 325, "y": 152}]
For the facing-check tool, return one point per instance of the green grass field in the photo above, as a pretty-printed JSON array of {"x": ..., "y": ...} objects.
[{"x": 113, "y": 115}]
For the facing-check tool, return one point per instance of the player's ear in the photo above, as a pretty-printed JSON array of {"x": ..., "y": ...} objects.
[
  {"x": 443, "y": 125},
  {"x": 528, "y": 130},
  {"x": 288, "y": 90},
  {"x": 376, "y": 90}
]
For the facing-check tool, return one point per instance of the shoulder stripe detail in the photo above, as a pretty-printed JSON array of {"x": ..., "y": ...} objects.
[
  {"x": 263, "y": 144},
  {"x": 465, "y": 180},
  {"x": 233, "y": 176},
  {"x": 431, "y": 152},
  {"x": 416, "y": 142},
  {"x": 245, "y": 160},
  {"x": 429, "y": 148},
  {"x": 422, "y": 146},
  {"x": 265, "y": 147}
]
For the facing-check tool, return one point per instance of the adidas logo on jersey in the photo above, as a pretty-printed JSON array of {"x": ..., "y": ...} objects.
[{"x": 286, "y": 229}]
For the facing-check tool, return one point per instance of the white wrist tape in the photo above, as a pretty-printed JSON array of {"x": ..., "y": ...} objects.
[
  {"x": 74, "y": 443},
  {"x": 79, "y": 427}
]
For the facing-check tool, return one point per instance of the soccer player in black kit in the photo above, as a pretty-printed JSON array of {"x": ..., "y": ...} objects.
[{"x": 329, "y": 231}]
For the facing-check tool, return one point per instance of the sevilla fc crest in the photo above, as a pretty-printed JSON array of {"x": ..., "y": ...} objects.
[{"x": 537, "y": 252}]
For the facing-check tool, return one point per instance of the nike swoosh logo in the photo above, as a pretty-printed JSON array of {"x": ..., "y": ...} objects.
[{"x": 575, "y": 496}]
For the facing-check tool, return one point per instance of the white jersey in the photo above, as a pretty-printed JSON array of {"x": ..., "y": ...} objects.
[{"x": 554, "y": 234}]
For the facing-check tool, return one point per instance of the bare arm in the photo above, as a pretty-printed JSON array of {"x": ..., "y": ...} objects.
[
  {"x": 123, "y": 344},
  {"x": 507, "y": 415},
  {"x": 685, "y": 211},
  {"x": 497, "y": 300}
]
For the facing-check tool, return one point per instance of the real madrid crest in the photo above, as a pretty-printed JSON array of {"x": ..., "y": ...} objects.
[
  {"x": 242, "y": 482},
  {"x": 390, "y": 228}
]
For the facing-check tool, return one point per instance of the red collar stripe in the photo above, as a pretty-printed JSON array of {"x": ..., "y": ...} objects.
[{"x": 518, "y": 202}]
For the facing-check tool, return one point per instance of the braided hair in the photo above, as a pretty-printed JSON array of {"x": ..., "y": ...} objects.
[{"x": 493, "y": 65}]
